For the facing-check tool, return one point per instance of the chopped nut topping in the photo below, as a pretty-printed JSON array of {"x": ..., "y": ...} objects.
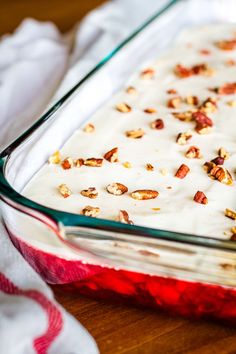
[
  {"x": 79, "y": 162},
  {"x": 90, "y": 211},
  {"x": 229, "y": 44},
  {"x": 182, "y": 171},
  {"x": 203, "y": 122},
  {"x": 124, "y": 217},
  {"x": 135, "y": 134},
  {"x": 218, "y": 160},
  {"x": 150, "y": 110},
  {"x": 67, "y": 163},
  {"x": 149, "y": 167},
  {"x": 200, "y": 69},
  {"x": 89, "y": 128},
  {"x": 226, "y": 89},
  {"x": 186, "y": 116},
  {"x": 131, "y": 90},
  {"x": 204, "y": 51},
  {"x": 171, "y": 92},
  {"x": 230, "y": 214},
  {"x": 174, "y": 102},
  {"x": 117, "y": 188},
  {"x": 232, "y": 103},
  {"x": 193, "y": 153},
  {"x": 127, "y": 164},
  {"x": 90, "y": 193},
  {"x": 157, "y": 124},
  {"x": 144, "y": 194},
  {"x": 200, "y": 198},
  {"x": 223, "y": 153},
  {"x": 233, "y": 230},
  {"x": 147, "y": 73},
  {"x": 93, "y": 162},
  {"x": 64, "y": 190},
  {"x": 209, "y": 105},
  {"x": 208, "y": 166},
  {"x": 163, "y": 171},
  {"x": 55, "y": 158},
  {"x": 182, "y": 138},
  {"x": 230, "y": 62},
  {"x": 222, "y": 175},
  {"x": 112, "y": 155},
  {"x": 192, "y": 100},
  {"x": 123, "y": 107}
]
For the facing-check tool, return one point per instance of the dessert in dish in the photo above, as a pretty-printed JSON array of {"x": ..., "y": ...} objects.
[{"x": 162, "y": 152}]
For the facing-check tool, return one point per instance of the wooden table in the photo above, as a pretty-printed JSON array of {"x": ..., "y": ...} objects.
[{"x": 118, "y": 328}]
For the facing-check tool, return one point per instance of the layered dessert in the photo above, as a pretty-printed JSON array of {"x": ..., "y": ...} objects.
[{"x": 162, "y": 152}]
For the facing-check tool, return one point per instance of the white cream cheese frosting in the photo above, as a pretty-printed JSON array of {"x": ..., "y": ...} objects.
[{"x": 174, "y": 209}]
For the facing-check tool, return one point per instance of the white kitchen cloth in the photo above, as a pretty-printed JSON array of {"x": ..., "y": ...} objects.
[{"x": 36, "y": 65}]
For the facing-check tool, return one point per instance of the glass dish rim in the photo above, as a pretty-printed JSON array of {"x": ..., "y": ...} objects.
[{"x": 10, "y": 196}]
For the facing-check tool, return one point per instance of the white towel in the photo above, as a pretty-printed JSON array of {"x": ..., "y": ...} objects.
[{"x": 36, "y": 65}]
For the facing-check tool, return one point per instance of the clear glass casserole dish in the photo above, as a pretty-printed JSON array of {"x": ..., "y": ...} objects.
[{"x": 182, "y": 273}]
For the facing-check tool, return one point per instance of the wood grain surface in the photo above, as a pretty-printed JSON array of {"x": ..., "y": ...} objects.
[{"x": 118, "y": 328}]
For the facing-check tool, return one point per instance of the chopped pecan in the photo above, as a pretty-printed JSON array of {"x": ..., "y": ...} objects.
[
  {"x": 163, "y": 171},
  {"x": 90, "y": 211},
  {"x": 208, "y": 166},
  {"x": 231, "y": 103},
  {"x": 204, "y": 51},
  {"x": 89, "y": 128},
  {"x": 233, "y": 230},
  {"x": 55, "y": 158},
  {"x": 144, "y": 194},
  {"x": 157, "y": 124},
  {"x": 174, "y": 102},
  {"x": 67, "y": 163},
  {"x": 182, "y": 138},
  {"x": 171, "y": 92},
  {"x": 127, "y": 164},
  {"x": 64, "y": 190},
  {"x": 223, "y": 153},
  {"x": 222, "y": 175},
  {"x": 117, "y": 188},
  {"x": 230, "y": 214},
  {"x": 193, "y": 153},
  {"x": 112, "y": 155},
  {"x": 150, "y": 110},
  {"x": 135, "y": 134},
  {"x": 186, "y": 116},
  {"x": 202, "y": 69},
  {"x": 192, "y": 100},
  {"x": 149, "y": 167},
  {"x": 79, "y": 162},
  {"x": 226, "y": 89},
  {"x": 89, "y": 193},
  {"x": 182, "y": 171},
  {"x": 200, "y": 197},
  {"x": 147, "y": 73},
  {"x": 230, "y": 62},
  {"x": 123, "y": 107},
  {"x": 124, "y": 217},
  {"x": 199, "y": 69},
  {"x": 209, "y": 105},
  {"x": 131, "y": 90},
  {"x": 93, "y": 162},
  {"x": 228, "y": 44},
  {"x": 203, "y": 122},
  {"x": 218, "y": 160}
]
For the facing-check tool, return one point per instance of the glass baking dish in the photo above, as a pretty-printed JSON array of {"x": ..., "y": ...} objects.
[{"x": 181, "y": 273}]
